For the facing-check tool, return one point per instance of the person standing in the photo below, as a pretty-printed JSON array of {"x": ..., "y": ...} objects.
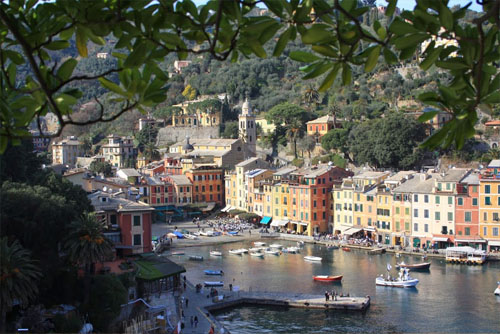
[
  {"x": 187, "y": 302},
  {"x": 326, "y": 295},
  {"x": 192, "y": 321},
  {"x": 195, "y": 321}
]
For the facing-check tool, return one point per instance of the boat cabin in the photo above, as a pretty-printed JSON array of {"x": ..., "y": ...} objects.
[{"x": 465, "y": 255}]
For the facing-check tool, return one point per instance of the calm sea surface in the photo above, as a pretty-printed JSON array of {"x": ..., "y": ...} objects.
[{"x": 449, "y": 298}]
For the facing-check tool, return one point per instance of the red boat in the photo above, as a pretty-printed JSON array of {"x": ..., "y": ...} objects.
[
  {"x": 324, "y": 278},
  {"x": 346, "y": 249}
]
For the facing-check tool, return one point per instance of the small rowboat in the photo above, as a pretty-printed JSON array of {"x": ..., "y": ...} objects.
[
  {"x": 218, "y": 283},
  {"x": 214, "y": 272},
  {"x": 215, "y": 253},
  {"x": 313, "y": 258},
  {"x": 255, "y": 249},
  {"x": 238, "y": 251},
  {"x": 259, "y": 243},
  {"x": 397, "y": 283},
  {"x": 277, "y": 246},
  {"x": 324, "y": 278},
  {"x": 291, "y": 250},
  {"x": 196, "y": 258},
  {"x": 497, "y": 291},
  {"x": 346, "y": 249},
  {"x": 272, "y": 251},
  {"x": 256, "y": 254},
  {"x": 415, "y": 267}
]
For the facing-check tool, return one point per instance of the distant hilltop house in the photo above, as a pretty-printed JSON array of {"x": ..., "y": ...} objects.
[
  {"x": 439, "y": 42},
  {"x": 65, "y": 152},
  {"x": 180, "y": 64},
  {"x": 200, "y": 113},
  {"x": 382, "y": 9},
  {"x": 435, "y": 123},
  {"x": 118, "y": 150},
  {"x": 493, "y": 128},
  {"x": 102, "y": 55},
  {"x": 320, "y": 126}
]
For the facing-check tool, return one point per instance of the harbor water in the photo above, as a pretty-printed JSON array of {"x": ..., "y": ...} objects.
[{"x": 448, "y": 299}]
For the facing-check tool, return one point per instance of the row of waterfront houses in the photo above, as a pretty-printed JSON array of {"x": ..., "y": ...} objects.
[{"x": 408, "y": 208}]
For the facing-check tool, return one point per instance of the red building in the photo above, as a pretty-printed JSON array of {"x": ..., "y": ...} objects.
[
  {"x": 467, "y": 212},
  {"x": 128, "y": 223}
]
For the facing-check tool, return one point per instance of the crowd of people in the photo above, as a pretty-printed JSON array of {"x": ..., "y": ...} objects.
[{"x": 226, "y": 224}]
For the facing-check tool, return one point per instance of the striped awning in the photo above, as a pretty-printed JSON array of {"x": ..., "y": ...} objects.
[
  {"x": 279, "y": 222},
  {"x": 226, "y": 208}
]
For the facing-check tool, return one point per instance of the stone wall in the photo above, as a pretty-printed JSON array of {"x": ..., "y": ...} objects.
[{"x": 170, "y": 134}]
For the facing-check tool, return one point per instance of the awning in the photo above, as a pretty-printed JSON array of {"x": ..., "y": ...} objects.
[
  {"x": 299, "y": 223},
  {"x": 279, "y": 222},
  {"x": 351, "y": 231},
  {"x": 493, "y": 243},
  {"x": 369, "y": 229},
  {"x": 416, "y": 242},
  {"x": 226, "y": 208},
  {"x": 441, "y": 239},
  {"x": 477, "y": 241},
  {"x": 265, "y": 220},
  {"x": 210, "y": 207},
  {"x": 342, "y": 228}
]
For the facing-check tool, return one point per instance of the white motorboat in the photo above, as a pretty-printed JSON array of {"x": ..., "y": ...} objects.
[
  {"x": 255, "y": 254},
  {"x": 215, "y": 253},
  {"x": 300, "y": 243},
  {"x": 256, "y": 249},
  {"x": 236, "y": 251},
  {"x": 277, "y": 246},
  {"x": 313, "y": 258},
  {"x": 272, "y": 251},
  {"x": 259, "y": 243},
  {"x": 404, "y": 280},
  {"x": 244, "y": 250},
  {"x": 497, "y": 291}
]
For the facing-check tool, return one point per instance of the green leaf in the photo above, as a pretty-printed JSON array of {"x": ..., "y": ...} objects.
[
  {"x": 137, "y": 57},
  {"x": 11, "y": 71},
  {"x": 410, "y": 40},
  {"x": 257, "y": 48},
  {"x": 81, "y": 42},
  {"x": 302, "y": 56},
  {"x": 67, "y": 34},
  {"x": 66, "y": 69},
  {"x": 57, "y": 45},
  {"x": 391, "y": 7},
  {"x": 372, "y": 59},
  {"x": 400, "y": 27},
  {"x": 346, "y": 74},
  {"x": 431, "y": 58},
  {"x": 390, "y": 57},
  {"x": 329, "y": 79},
  {"x": 492, "y": 98},
  {"x": 317, "y": 34},
  {"x": 16, "y": 57},
  {"x": 325, "y": 50},
  {"x": 317, "y": 69},
  {"x": 445, "y": 16},
  {"x": 452, "y": 64},
  {"x": 427, "y": 116},
  {"x": 111, "y": 86},
  {"x": 408, "y": 52}
]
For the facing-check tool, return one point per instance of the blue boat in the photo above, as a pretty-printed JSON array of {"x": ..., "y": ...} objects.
[
  {"x": 233, "y": 232},
  {"x": 214, "y": 272},
  {"x": 179, "y": 235}
]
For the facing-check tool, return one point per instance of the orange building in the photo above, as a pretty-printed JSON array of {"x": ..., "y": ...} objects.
[
  {"x": 208, "y": 183},
  {"x": 320, "y": 126},
  {"x": 467, "y": 213}
]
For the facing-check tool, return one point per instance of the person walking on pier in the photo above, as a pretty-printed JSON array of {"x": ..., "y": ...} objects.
[
  {"x": 326, "y": 296},
  {"x": 192, "y": 321},
  {"x": 195, "y": 321},
  {"x": 187, "y": 302}
]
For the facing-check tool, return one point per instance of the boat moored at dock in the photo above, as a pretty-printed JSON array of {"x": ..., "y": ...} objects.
[
  {"x": 415, "y": 267},
  {"x": 325, "y": 278},
  {"x": 497, "y": 291},
  {"x": 196, "y": 258},
  {"x": 313, "y": 258},
  {"x": 255, "y": 254},
  {"x": 215, "y": 253},
  {"x": 272, "y": 251},
  {"x": 465, "y": 255},
  {"x": 215, "y": 283},
  {"x": 259, "y": 244},
  {"x": 277, "y": 246},
  {"x": 404, "y": 280},
  {"x": 214, "y": 272}
]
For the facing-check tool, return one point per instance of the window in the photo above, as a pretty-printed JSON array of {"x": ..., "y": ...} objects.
[
  {"x": 487, "y": 200},
  {"x": 468, "y": 216},
  {"x": 474, "y": 189},
  {"x": 474, "y": 201},
  {"x": 426, "y": 213},
  {"x": 369, "y": 222},
  {"x": 444, "y": 230},
  {"x": 407, "y": 211},
  {"x": 358, "y": 221},
  {"x": 437, "y": 215},
  {"x": 397, "y": 210},
  {"x": 397, "y": 226},
  {"x": 460, "y": 201},
  {"x": 415, "y": 212},
  {"x": 467, "y": 231},
  {"x": 137, "y": 220},
  {"x": 276, "y": 212},
  {"x": 415, "y": 227},
  {"x": 450, "y": 200},
  {"x": 307, "y": 216},
  {"x": 450, "y": 216},
  {"x": 314, "y": 216},
  {"x": 495, "y": 216},
  {"x": 487, "y": 189},
  {"x": 415, "y": 198},
  {"x": 324, "y": 215},
  {"x": 314, "y": 204},
  {"x": 137, "y": 240},
  {"x": 495, "y": 231},
  {"x": 426, "y": 227},
  {"x": 485, "y": 216},
  {"x": 448, "y": 186},
  {"x": 426, "y": 198},
  {"x": 203, "y": 188},
  {"x": 407, "y": 226},
  {"x": 485, "y": 231},
  {"x": 438, "y": 200},
  {"x": 498, "y": 199}
]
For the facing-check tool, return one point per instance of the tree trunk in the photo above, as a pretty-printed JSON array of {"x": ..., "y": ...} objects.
[
  {"x": 3, "y": 317},
  {"x": 295, "y": 148}
]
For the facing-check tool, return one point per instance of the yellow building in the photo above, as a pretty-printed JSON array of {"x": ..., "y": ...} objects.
[
  {"x": 206, "y": 112},
  {"x": 266, "y": 127},
  {"x": 489, "y": 205},
  {"x": 119, "y": 151},
  {"x": 66, "y": 151},
  {"x": 281, "y": 201},
  {"x": 343, "y": 206},
  {"x": 384, "y": 214}
]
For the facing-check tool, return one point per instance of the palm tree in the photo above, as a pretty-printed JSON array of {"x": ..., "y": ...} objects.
[
  {"x": 295, "y": 130},
  {"x": 151, "y": 152},
  {"x": 311, "y": 96},
  {"x": 19, "y": 277},
  {"x": 86, "y": 244}
]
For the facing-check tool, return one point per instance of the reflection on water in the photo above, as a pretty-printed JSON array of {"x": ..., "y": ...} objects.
[{"x": 449, "y": 298}]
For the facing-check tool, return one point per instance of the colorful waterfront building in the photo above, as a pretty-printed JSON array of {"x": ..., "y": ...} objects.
[
  {"x": 343, "y": 195},
  {"x": 182, "y": 187},
  {"x": 255, "y": 193},
  {"x": 208, "y": 183},
  {"x": 489, "y": 205},
  {"x": 383, "y": 200},
  {"x": 467, "y": 213}
]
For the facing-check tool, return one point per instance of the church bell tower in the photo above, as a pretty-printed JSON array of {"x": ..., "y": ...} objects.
[{"x": 248, "y": 129}]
